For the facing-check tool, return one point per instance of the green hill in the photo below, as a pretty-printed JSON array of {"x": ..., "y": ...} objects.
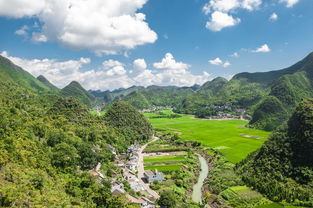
[
  {"x": 46, "y": 82},
  {"x": 74, "y": 89},
  {"x": 282, "y": 168},
  {"x": 128, "y": 120},
  {"x": 137, "y": 100},
  {"x": 267, "y": 78},
  {"x": 259, "y": 93},
  {"x": 13, "y": 73}
]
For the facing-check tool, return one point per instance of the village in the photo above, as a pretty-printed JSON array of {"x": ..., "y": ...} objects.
[{"x": 139, "y": 180}]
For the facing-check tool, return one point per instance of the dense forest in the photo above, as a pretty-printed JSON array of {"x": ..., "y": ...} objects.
[
  {"x": 48, "y": 145},
  {"x": 282, "y": 168}
]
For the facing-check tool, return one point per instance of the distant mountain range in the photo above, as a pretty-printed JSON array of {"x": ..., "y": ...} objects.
[{"x": 268, "y": 96}]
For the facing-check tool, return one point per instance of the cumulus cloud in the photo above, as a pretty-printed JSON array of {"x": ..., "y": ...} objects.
[
  {"x": 101, "y": 26},
  {"x": 289, "y": 3},
  {"x": 112, "y": 74},
  {"x": 263, "y": 49},
  {"x": 273, "y": 17},
  {"x": 220, "y": 20},
  {"x": 168, "y": 62},
  {"x": 218, "y": 62},
  {"x": 220, "y": 10}
]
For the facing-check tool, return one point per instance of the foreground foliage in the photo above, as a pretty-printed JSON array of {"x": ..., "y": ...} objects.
[{"x": 282, "y": 168}]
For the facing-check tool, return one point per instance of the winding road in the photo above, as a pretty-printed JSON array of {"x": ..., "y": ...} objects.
[{"x": 141, "y": 170}]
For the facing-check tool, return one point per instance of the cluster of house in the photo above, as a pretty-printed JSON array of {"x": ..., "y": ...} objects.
[
  {"x": 128, "y": 163},
  {"x": 156, "y": 108},
  {"x": 223, "y": 111}
]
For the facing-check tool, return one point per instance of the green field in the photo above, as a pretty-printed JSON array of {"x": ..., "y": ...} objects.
[
  {"x": 222, "y": 135},
  {"x": 165, "y": 158},
  {"x": 164, "y": 163},
  {"x": 164, "y": 168}
]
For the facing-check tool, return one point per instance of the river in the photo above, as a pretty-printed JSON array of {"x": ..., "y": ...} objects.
[{"x": 197, "y": 194}]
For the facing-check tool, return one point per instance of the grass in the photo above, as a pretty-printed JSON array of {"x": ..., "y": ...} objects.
[
  {"x": 222, "y": 135},
  {"x": 164, "y": 168},
  {"x": 160, "y": 146},
  {"x": 165, "y": 158},
  {"x": 165, "y": 163}
]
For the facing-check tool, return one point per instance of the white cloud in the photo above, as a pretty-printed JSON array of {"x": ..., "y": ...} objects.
[
  {"x": 235, "y": 55},
  {"x": 263, "y": 49},
  {"x": 140, "y": 64},
  {"x": 101, "y": 26},
  {"x": 22, "y": 30},
  {"x": 221, "y": 12},
  {"x": 111, "y": 74},
  {"x": 168, "y": 62},
  {"x": 251, "y": 5},
  {"x": 273, "y": 17},
  {"x": 218, "y": 62},
  {"x": 226, "y": 64},
  {"x": 21, "y": 8},
  {"x": 221, "y": 5},
  {"x": 38, "y": 37},
  {"x": 220, "y": 20},
  {"x": 289, "y": 3}
]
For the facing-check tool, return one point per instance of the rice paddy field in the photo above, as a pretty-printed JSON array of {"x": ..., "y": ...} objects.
[
  {"x": 228, "y": 136},
  {"x": 164, "y": 163}
]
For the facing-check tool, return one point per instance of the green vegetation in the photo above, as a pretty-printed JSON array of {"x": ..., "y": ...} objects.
[
  {"x": 179, "y": 172},
  {"x": 137, "y": 100},
  {"x": 225, "y": 136},
  {"x": 253, "y": 92},
  {"x": 74, "y": 89},
  {"x": 46, "y": 144},
  {"x": 14, "y": 74},
  {"x": 242, "y": 196},
  {"x": 282, "y": 168},
  {"x": 129, "y": 121},
  {"x": 47, "y": 83},
  {"x": 165, "y": 163}
]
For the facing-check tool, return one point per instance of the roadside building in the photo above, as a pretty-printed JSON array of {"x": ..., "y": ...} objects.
[{"x": 151, "y": 176}]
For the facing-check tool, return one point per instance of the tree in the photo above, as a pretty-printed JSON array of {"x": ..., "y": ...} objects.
[{"x": 167, "y": 199}]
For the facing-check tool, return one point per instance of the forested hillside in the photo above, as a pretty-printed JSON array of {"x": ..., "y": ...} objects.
[
  {"x": 282, "y": 168},
  {"x": 49, "y": 143},
  {"x": 13, "y": 73},
  {"x": 46, "y": 82},
  {"x": 74, "y": 89}
]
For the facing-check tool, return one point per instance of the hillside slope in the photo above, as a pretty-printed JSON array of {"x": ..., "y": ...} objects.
[
  {"x": 282, "y": 168},
  {"x": 15, "y": 74},
  {"x": 46, "y": 82},
  {"x": 74, "y": 89}
]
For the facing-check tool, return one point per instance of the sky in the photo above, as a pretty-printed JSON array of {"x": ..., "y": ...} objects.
[{"x": 106, "y": 44}]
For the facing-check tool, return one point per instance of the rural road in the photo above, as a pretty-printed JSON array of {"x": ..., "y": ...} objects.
[{"x": 141, "y": 170}]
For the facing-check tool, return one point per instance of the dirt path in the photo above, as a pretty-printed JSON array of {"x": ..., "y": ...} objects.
[{"x": 141, "y": 170}]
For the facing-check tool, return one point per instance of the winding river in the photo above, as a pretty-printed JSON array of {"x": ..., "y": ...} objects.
[{"x": 197, "y": 194}]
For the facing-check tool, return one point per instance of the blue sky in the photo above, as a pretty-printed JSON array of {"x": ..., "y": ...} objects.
[{"x": 179, "y": 42}]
